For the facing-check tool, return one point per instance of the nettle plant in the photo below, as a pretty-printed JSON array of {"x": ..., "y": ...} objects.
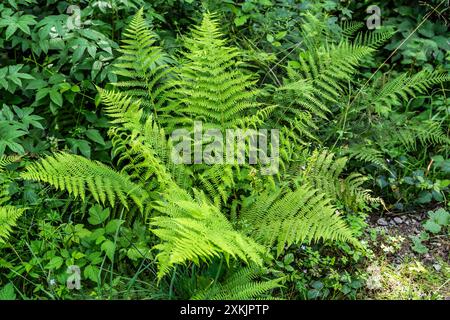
[{"x": 203, "y": 212}]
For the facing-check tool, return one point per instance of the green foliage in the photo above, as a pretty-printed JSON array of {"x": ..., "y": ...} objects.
[
  {"x": 189, "y": 230},
  {"x": 8, "y": 292},
  {"x": 437, "y": 220},
  {"x": 8, "y": 219},
  {"x": 198, "y": 231},
  {"x": 144, "y": 66},
  {"x": 211, "y": 85},
  {"x": 77, "y": 174},
  {"x": 239, "y": 285},
  {"x": 298, "y": 216}
]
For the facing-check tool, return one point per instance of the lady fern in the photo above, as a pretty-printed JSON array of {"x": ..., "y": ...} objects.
[
  {"x": 77, "y": 175},
  {"x": 240, "y": 284},
  {"x": 189, "y": 205},
  {"x": 143, "y": 66},
  {"x": 294, "y": 216},
  {"x": 195, "y": 230},
  {"x": 210, "y": 84},
  {"x": 8, "y": 219}
]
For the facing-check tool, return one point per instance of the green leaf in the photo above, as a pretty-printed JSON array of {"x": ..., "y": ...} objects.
[
  {"x": 425, "y": 197},
  {"x": 96, "y": 68},
  {"x": 56, "y": 97},
  {"x": 288, "y": 259},
  {"x": 239, "y": 21},
  {"x": 432, "y": 226},
  {"x": 10, "y": 30},
  {"x": 8, "y": 292},
  {"x": 82, "y": 145},
  {"x": 98, "y": 215},
  {"x": 92, "y": 273},
  {"x": 108, "y": 247},
  {"x": 95, "y": 136},
  {"x": 55, "y": 263},
  {"x": 42, "y": 93},
  {"x": 418, "y": 246},
  {"x": 113, "y": 226},
  {"x": 441, "y": 217}
]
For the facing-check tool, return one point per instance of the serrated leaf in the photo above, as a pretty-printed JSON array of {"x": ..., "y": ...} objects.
[
  {"x": 108, "y": 247},
  {"x": 55, "y": 263},
  {"x": 95, "y": 136},
  {"x": 113, "y": 226},
  {"x": 56, "y": 97},
  {"x": 98, "y": 215},
  {"x": 8, "y": 292}
]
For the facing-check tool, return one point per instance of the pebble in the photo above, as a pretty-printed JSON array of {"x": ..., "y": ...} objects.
[
  {"x": 398, "y": 220},
  {"x": 437, "y": 267},
  {"x": 382, "y": 222}
]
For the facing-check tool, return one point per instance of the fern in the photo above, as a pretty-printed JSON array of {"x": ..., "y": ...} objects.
[
  {"x": 144, "y": 66},
  {"x": 141, "y": 144},
  {"x": 367, "y": 154},
  {"x": 77, "y": 175},
  {"x": 316, "y": 82},
  {"x": 374, "y": 39},
  {"x": 323, "y": 171},
  {"x": 197, "y": 231},
  {"x": 388, "y": 134},
  {"x": 239, "y": 285},
  {"x": 7, "y": 160},
  {"x": 190, "y": 206},
  {"x": 401, "y": 88},
  {"x": 426, "y": 133},
  {"x": 349, "y": 28},
  {"x": 298, "y": 216},
  {"x": 8, "y": 219},
  {"x": 211, "y": 86}
]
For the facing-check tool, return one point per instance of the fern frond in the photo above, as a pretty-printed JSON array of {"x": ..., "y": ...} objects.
[
  {"x": 8, "y": 219},
  {"x": 367, "y": 154},
  {"x": 217, "y": 181},
  {"x": 195, "y": 230},
  {"x": 373, "y": 39},
  {"x": 300, "y": 216},
  {"x": 426, "y": 132},
  {"x": 144, "y": 67},
  {"x": 320, "y": 77},
  {"x": 211, "y": 86},
  {"x": 7, "y": 160},
  {"x": 240, "y": 284},
  {"x": 349, "y": 28},
  {"x": 77, "y": 175},
  {"x": 402, "y": 88}
]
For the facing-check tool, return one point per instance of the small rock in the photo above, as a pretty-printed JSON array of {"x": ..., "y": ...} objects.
[
  {"x": 382, "y": 222},
  {"x": 437, "y": 267},
  {"x": 398, "y": 220},
  {"x": 407, "y": 222},
  {"x": 392, "y": 223}
]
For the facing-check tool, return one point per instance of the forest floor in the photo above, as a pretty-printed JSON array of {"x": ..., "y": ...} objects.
[{"x": 403, "y": 269}]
